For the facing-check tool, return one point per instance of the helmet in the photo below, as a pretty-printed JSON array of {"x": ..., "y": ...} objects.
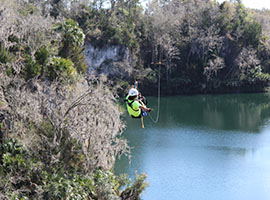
[{"x": 133, "y": 92}]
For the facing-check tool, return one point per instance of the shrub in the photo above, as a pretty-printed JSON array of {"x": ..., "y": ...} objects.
[
  {"x": 25, "y": 176},
  {"x": 61, "y": 68},
  {"x": 42, "y": 56},
  {"x": 73, "y": 37},
  {"x": 32, "y": 68}
]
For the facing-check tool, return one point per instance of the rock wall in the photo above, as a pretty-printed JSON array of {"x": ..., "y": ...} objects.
[{"x": 109, "y": 60}]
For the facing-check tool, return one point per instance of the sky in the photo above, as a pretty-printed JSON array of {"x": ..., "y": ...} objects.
[{"x": 257, "y": 4}]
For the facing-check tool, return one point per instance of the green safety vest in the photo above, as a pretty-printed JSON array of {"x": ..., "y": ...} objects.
[{"x": 133, "y": 107}]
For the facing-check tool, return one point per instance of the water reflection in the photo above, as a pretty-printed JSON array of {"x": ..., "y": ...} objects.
[
  {"x": 203, "y": 147},
  {"x": 233, "y": 150},
  {"x": 243, "y": 112}
]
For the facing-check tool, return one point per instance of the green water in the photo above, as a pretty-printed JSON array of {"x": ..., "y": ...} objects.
[{"x": 204, "y": 147}]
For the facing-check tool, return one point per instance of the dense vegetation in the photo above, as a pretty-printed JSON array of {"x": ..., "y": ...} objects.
[
  {"x": 60, "y": 127},
  {"x": 60, "y": 132},
  {"x": 203, "y": 46},
  {"x": 207, "y": 47}
]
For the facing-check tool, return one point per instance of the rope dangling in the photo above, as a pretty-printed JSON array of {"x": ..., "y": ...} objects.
[{"x": 157, "y": 117}]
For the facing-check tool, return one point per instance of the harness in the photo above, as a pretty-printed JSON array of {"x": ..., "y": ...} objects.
[{"x": 130, "y": 104}]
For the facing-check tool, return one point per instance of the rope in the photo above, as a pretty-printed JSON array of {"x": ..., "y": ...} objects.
[{"x": 157, "y": 117}]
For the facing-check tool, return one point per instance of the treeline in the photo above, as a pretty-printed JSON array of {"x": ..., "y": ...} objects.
[
  {"x": 209, "y": 47},
  {"x": 60, "y": 131},
  {"x": 202, "y": 46}
]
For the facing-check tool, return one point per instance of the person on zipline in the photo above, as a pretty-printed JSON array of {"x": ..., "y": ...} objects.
[{"x": 135, "y": 103}]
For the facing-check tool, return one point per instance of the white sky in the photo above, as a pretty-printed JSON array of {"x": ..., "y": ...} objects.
[{"x": 258, "y": 4}]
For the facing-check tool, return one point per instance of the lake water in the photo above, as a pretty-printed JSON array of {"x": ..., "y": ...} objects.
[{"x": 204, "y": 147}]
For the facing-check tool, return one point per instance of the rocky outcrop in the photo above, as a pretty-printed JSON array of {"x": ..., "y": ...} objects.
[{"x": 108, "y": 60}]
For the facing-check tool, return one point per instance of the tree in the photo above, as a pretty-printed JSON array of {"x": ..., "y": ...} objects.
[
  {"x": 73, "y": 36},
  {"x": 246, "y": 66},
  {"x": 85, "y": 113},
  {"x": 23, "y": 33},
  {"x": 25, "y": 176},
  {"x": 65, "y": 134}
]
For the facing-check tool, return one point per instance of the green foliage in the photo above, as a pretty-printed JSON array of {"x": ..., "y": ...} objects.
[
  {"x": 120, "y": 26},
  {"x": 29, "y": 9},
  {"x": 71, "y": 47},
  {"x": 73, "y": 33},
  {"x": 207, "y": 33},
  {"x": 18, "y": 170},
  {"x": 61, "y": 186},
  {"x": 262, "y": 78},
  {"x": 24, "y": 176},
  {"x": 78, "y": 59},
  {"x": 187, "y": 35},
  {"x": 10, "y": 71},
  {"x": 32, "y": 68},
  {"x": 107, "y": 185},
  {"x": 61, "y": 68},
  {"x": 252, "y": 33},
  {"x": 3, "y": 54},
  {"x": 42, "y": 56},
  {"x": 50, "y": 167},
  {"x": 11, "y": 147},
  {"x": 134, "y": 191},
  {"x": 73, "y": 37}
]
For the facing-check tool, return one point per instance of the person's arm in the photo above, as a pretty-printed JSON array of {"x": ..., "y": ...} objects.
[
  {"x": 136, "y": 85},
  {"x": 145, "y": 109}
]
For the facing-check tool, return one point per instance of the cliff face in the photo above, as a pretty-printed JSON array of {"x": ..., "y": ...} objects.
[{"x": 108, "y": 60}]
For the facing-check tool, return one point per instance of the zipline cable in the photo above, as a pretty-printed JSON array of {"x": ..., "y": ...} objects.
[{"x": 157, "y": 117}]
